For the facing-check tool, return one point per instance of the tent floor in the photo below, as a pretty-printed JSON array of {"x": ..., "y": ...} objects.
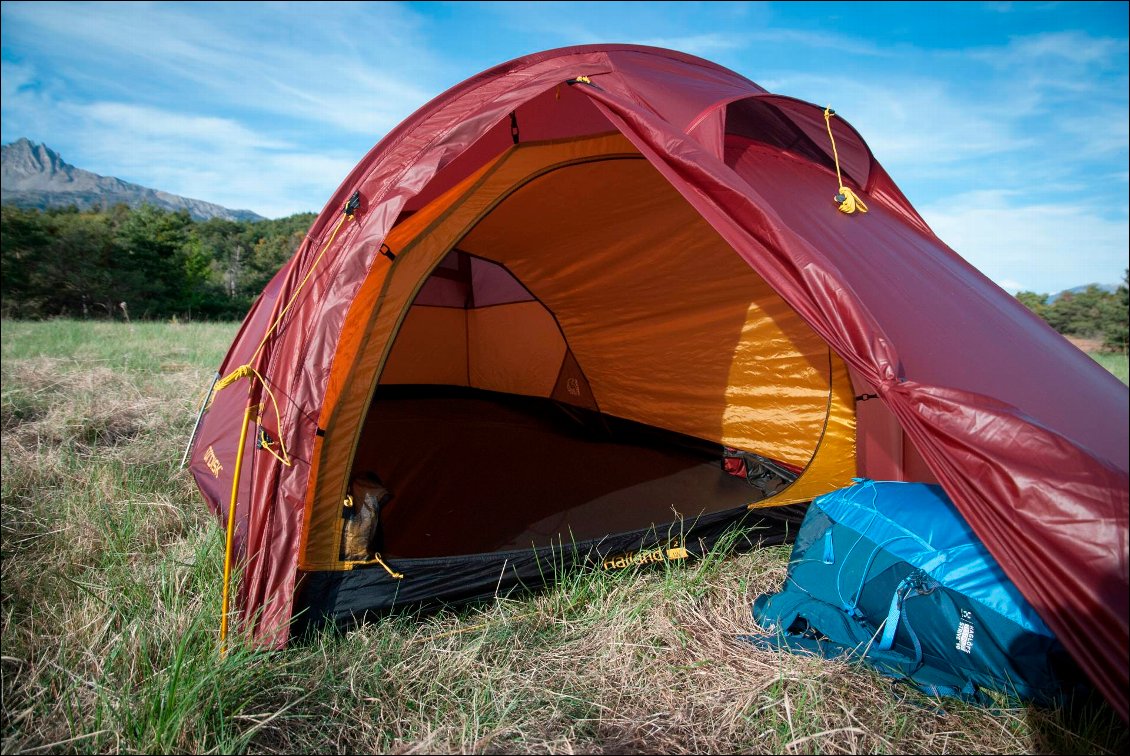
[{"x": 474, "y": 472}]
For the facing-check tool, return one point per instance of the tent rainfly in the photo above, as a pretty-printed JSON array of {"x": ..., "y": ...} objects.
[{"x": 542, "y": 319}]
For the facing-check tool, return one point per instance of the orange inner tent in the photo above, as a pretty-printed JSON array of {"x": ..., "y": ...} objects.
[{"x": 559, "y": 347}]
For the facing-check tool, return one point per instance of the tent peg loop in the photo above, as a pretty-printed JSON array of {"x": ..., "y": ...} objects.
[{"x": 352, "y": 204}]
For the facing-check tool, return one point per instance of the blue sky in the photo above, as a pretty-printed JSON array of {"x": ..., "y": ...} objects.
[{"x": 1006, "y": 124}]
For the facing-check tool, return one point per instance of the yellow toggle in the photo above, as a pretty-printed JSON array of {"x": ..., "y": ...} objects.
[
  {"x": 849, "y": 200},
  {"x": 243, "y": 371},
  {"x": 377, "y": 560},
  {"x": 246, "y": 371}
]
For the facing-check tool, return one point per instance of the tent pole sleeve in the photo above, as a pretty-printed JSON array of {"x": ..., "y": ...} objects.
[
  {"x": 199, "y": 417},
  {"x": 231, "y": 526}
]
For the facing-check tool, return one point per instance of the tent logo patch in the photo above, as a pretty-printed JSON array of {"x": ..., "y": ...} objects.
[
  {"x": 964, "y": 639},
  {"x": 671, "y": 552},
  {"x": 573, "y": 386},
  {"x": 213, "y": 462}
]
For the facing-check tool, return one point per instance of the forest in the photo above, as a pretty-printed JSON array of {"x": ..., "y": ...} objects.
[
  {"x": 152, "y": 264},
  {"x": 85, "y": 264},
  {"x": 1090, "y": 314}
]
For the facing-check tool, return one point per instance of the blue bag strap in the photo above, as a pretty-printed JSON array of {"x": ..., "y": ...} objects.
[
  {"x": 894, "y": 613},
  {"x": 917, "y": 583}
]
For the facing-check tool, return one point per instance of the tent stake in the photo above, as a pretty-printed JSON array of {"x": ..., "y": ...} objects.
[{"x": 199, "y": 417}]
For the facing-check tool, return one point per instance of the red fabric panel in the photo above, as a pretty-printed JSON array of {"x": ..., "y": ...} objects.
[
  {"x": 443, "y": 292},
  {"x": 495, "y": 285},
  {"x": 557, "y": 113},
  {"x": 1049, "y": 532},
  {"x": 477, "y": 283},
  {"x": 950, "y": 325},
  {"x": 217, "y": 438},
  {"x": 709, "y": 130},
  {"x": 652, "y": 81}
]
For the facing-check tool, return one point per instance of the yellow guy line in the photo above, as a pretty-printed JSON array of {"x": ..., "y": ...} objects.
[{"x": 849, "y": 200}]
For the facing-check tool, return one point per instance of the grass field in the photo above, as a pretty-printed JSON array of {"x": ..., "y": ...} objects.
[
  {"x": 111, "y": 589},
  {"x": 1115, "y": 363}
]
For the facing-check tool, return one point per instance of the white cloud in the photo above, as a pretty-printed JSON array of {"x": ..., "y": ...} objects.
[
  {"x": 265, "y": 107},
  {"x": 210, "y": 159},
  {"x": 140, "y": 123},
  {"x": 702, "y": 45},
  {"x": 309, "y": 68},
  {"x": 913, "y": 121},
  {"x": 780, "y": 37},
  {"x": 1042, "y": 246},
  {"x": 268, "y": 106},
  {"x": 1054, "y": 49},
  {"x": 202, "y": 157},
  {"x": 1013, "y": 287}
]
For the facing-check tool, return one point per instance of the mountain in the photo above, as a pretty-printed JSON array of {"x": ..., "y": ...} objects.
[
  {"x": 1108, "y": 288},
  {"x": 34, "y": 176}
]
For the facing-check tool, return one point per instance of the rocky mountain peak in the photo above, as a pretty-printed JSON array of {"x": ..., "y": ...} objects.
[
  {"x": 36, "y": 176},
  {"x": 26, "y": 157}
]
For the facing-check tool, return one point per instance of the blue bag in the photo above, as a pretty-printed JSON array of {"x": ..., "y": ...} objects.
[{"x": 891, "y": 574}]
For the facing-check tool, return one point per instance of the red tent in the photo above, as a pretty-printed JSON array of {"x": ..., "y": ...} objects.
[{"x": 648, "y": 244}]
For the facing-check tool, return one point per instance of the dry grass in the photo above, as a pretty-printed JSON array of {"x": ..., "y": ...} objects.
[{"x": 111, "y": 572}]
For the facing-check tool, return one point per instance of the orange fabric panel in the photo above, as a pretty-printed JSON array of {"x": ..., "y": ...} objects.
[
  {"x": 834, "y": 464},
  {"x": 515, "y": 348},
  {"x": 430, "y": 348},
  {"x": 778, "y": 386},
  {"x": 670, "y": 327}
]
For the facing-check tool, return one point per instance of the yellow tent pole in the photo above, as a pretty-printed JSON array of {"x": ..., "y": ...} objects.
[{"x": 231, "y": 526}]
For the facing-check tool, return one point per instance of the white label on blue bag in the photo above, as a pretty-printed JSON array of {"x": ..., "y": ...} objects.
[{"x": 964, "y": 639}]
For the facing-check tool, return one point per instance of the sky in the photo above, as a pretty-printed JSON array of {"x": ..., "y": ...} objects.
[{"x": 1006, "y": 124}]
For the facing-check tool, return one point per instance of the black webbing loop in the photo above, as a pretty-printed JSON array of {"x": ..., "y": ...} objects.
[{"x": 351, "y": 206}]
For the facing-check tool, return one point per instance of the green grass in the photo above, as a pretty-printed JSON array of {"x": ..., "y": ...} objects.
[
  {"x": 111, "y": 572},
  {"x": 1118, "y": 364}
]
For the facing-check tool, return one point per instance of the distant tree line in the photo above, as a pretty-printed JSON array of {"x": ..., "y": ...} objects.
[
  {"x": 67, "y": 262},
  {"x": 1091, "y": 313},
  {"x": 72, "y": 263}
]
